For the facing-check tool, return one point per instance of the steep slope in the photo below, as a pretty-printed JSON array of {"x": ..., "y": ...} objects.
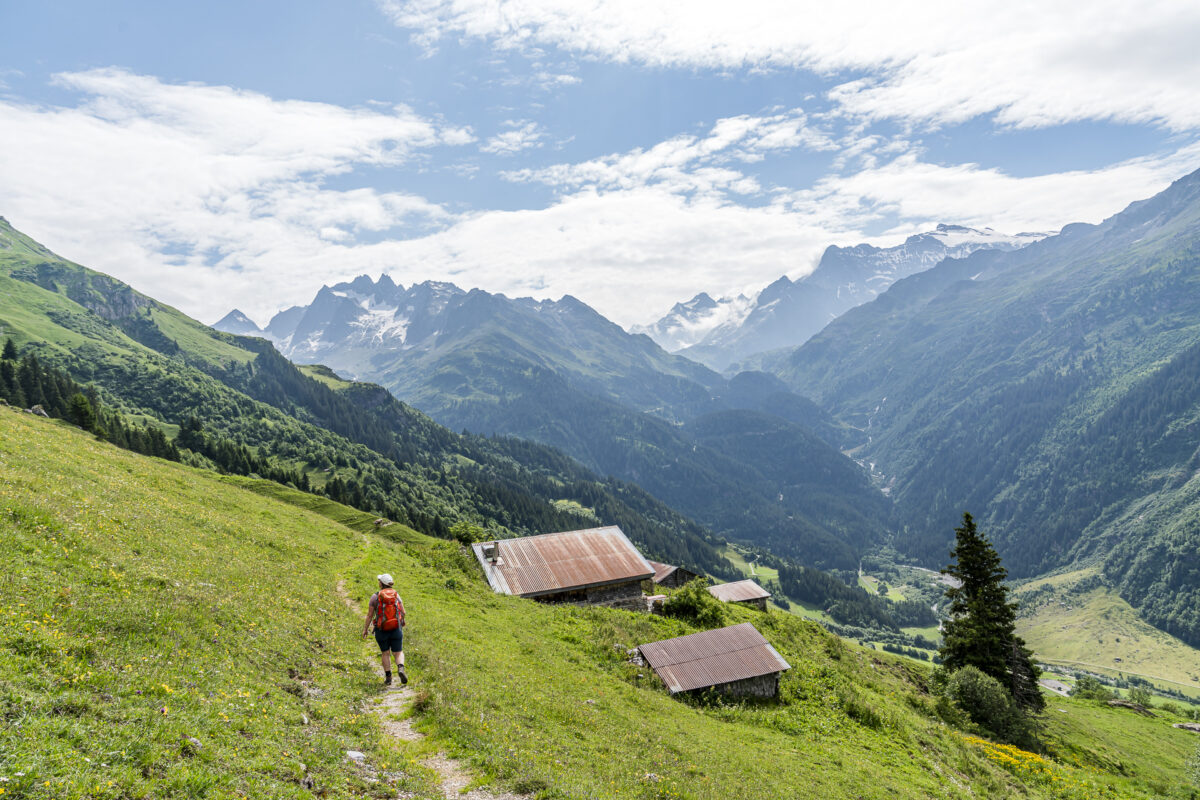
[
  {"x": 354, "y": 442},
  {"x": 561, "y": 374},
  {"x": 787, "y": 313},
  {"x": 1053, "y": 391},
  {"x": 115, "y": 565}
]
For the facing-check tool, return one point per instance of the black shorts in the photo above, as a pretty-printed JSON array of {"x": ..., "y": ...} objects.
[{"x": 390, "y": 640}]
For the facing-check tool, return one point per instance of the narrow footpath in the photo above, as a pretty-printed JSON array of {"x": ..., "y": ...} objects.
[{"x": 395, "y": 702}]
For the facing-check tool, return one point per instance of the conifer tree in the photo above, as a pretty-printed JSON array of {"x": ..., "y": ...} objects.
[
  {"x": 981, "y": 629},
  {"x": 82, "y": 412},
  {"x": 10, "y": 350}
]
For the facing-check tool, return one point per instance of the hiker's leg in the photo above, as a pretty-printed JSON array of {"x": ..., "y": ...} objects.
[{"x": 383, "y": 660}]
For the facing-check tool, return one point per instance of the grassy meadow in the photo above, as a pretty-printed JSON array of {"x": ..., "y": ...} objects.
[
  {"x": 1097, "y": 630},
  {"x": 166, "y": 632}
]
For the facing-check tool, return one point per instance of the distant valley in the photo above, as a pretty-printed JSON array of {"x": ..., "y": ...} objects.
[{"x": 1048, "y": 386}]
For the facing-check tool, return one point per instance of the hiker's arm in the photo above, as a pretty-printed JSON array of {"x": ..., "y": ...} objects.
[
  {"x": 400, "y": 603},
  {"x": 367, "y": 621}
]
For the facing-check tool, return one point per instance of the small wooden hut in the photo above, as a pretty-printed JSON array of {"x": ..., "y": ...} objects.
[
  {"x": 736, "y": 661},
  {"x": 746, "y": 592}
]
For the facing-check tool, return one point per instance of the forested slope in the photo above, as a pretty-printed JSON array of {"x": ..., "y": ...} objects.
[{"x": 1053, "y": 390}]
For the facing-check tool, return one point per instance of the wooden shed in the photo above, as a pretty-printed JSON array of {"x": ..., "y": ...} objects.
[
  {"x": 747, "y": 592},
  {"x": 599, "y": 566},
  {"x": 671, "y": 576},
  {"x": 736, "y": 661}
]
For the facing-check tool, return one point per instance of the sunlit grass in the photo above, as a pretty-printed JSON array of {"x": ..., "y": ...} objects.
[{"x": 145, "y": 605}]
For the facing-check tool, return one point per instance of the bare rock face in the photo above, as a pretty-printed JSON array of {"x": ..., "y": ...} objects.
[
  {"x": 1137, "y": 708},
  {"x": 1194, "y": 727}
]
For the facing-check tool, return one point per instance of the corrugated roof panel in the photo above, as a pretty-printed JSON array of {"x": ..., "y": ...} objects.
[
  {"x": 738, "y": 591},
  {"x": 711, "y": 658},
  {"x": 661, "y": 571},
  {"x": 555, "y": 562}
]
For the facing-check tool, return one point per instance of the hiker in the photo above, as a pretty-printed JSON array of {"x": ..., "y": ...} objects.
[{"x": 386, "y": 610}]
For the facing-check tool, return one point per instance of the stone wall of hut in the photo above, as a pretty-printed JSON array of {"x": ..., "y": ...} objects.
[
  {"x": 765, "y": 686},
  {"x": 619, "y": 595}
]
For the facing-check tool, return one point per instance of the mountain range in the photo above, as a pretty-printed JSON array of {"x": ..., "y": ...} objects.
[
  {"x": 1054, "y": 391},
  {"x": 722, "y": 333},
  {"x": 561, "y": 374},
  {"x": 1050, "y": 385},
  {"x": 246, "y": 409}
]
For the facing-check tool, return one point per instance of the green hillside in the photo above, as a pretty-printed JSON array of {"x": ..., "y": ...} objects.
[
  {"x": 1075, "y": 621},
  {"x": 170, "y": 633},
  {"x": 1054, "y": 391}
]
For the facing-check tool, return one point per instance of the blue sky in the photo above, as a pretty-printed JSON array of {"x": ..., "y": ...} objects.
[{"x": 224, "y": 154}]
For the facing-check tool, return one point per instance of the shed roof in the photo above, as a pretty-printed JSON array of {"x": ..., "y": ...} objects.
[
  {"x": 710, "y": 658},
  {"x": 557, "y": 562},
  {"x": 661, "y": 570},
  {"x": 738, "y": 591}
]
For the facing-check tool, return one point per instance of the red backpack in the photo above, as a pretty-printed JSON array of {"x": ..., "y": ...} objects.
[{"x": 387, "y": 611}]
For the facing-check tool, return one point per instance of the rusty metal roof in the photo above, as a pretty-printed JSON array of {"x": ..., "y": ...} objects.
[
  {"x": 664, "y": 571},
  {"x": 559, "y": 562},
  {"x": 661, "y": 570},
  {"x": 711, "y": 658},
  {"x": 738, "y": 591}
]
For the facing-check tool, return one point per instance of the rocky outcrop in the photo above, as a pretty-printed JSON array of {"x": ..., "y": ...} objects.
[{"x": 1137, "y": 708}]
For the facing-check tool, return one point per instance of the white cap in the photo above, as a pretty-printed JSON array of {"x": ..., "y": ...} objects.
[{"x": 385, "y": 579}]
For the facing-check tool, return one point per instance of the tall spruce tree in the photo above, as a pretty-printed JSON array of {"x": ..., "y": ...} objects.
[{"x": 981, "y": 631}]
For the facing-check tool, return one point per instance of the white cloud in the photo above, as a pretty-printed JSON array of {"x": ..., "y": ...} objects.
[
  {"x": 919, "y": 193},
  {"x": 928, "y": 60},
  {"x": 522, "y": 135},
  {"x": 208, "y": 197},
  {"x": 191, "y": 191},
  {"x": 631, "y": 252},
  {"x": 689, "y": 163}
]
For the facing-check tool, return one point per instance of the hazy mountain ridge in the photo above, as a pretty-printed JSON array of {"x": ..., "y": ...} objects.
[
  {"x": 688, "y": 323},
  {"x": 1052, "y": 390},
  {"x": 786, "y": 313},
  {"x": 558, "y": 372}
]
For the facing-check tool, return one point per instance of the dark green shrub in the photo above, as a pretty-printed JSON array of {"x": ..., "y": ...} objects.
[
  {"x": 989, "y": 706},
  {"x": 695, "y": 604},
  {"x": 1090, "y": 688},
  {"x": 1141, "y": 696}
]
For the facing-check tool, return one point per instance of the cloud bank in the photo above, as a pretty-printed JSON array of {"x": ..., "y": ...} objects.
[
  {"x": 933, "y": 61},
  {"x": 209, "y": 197}
]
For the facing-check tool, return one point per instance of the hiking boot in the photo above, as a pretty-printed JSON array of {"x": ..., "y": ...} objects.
[
  {"x": 387, "y": 681},
  {"x": 403, "y": 676}
]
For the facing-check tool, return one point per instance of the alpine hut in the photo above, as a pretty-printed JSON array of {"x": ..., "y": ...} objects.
[
  {"x": 736, "y": 661},
  {"x": 671, "y": 576},
  {"x": 599, "y": 566},
  {"x": 747, "y": 592}
]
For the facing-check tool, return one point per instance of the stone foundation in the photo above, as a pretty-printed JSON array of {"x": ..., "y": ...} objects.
[
  {"x": 764, "y": 686},
  {"x": 627, "y": 596}
]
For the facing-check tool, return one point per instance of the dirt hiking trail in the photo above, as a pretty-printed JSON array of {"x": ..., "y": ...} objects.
[{"x": 394, "y": 702}]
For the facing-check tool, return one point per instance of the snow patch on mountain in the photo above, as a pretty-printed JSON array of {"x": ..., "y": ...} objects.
[
  {"x": 688, "y": 323},
  {"x": 720, "y": 333}
]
